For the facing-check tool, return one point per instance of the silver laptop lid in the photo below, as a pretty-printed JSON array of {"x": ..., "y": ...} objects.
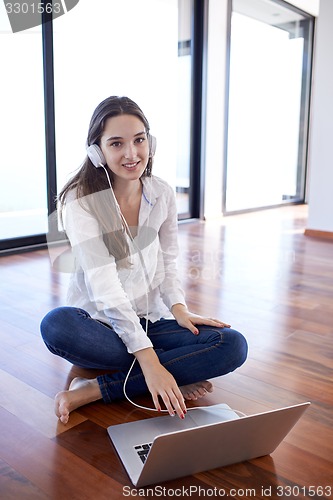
[{"x": 188, "y": 451}]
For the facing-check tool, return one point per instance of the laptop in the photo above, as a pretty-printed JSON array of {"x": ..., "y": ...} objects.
[{"x": 163, "y": 448}]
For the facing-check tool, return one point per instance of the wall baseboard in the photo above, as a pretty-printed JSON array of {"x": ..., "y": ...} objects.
[{"x": 313, "y": 233}]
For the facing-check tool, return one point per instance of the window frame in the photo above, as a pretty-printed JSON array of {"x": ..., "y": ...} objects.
[
  {"x": 304, "y": 125},
  {"x": 199, "y": 26}
]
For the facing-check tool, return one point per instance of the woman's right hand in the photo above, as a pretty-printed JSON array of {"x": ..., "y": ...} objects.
[{"x": 160, "y": 383}]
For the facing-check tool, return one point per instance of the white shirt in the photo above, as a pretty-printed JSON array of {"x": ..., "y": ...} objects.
[{"x": 120, "y": 296}]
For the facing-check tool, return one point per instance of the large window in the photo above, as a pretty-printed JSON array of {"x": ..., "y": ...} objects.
[
  {"x": 147, "y": 57},
  {"x": 270, "y": 69},
  {"x": 23, "y": 199},
  {"x": 130, "y": 49},
  {"x": 140, "y": 49}
]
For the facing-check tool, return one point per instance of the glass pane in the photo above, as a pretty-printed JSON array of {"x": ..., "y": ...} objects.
[
  {"x": 264, "y": 161},
  {"x": 23, "y": 200},
  {"x": 134, "y": 53},
  {"x": 184, "y": 105}
]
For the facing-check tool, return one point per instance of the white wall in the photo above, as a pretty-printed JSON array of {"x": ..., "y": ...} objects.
[
  {"x": 310, "y": 6},
  {"x": 321, "y": 128}
]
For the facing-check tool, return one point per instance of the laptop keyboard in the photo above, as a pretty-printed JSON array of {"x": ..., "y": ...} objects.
[{"x": 143, "y": 450}]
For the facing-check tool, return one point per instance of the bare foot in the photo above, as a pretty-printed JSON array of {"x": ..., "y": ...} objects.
[
  {"x": 81, "y": 392},
  {"x": 197, "y": 390}
]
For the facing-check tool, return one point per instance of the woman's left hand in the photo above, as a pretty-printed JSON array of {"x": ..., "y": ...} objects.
[{"x": 188, "y": 320}]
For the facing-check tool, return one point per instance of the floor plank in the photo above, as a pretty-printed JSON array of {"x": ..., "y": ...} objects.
[
  {"x": 50, "y": 467},
  {"x": 14, "y": 486},
  {"x": 256, "y": 271}
]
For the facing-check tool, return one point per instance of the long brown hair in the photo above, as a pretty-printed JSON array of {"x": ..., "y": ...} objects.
[{"x": 90, "y": 180}]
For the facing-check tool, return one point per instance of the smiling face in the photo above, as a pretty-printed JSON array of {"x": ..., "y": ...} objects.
[{"x": 124, "y": 144}]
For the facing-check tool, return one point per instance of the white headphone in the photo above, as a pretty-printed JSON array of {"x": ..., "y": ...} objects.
[{"x": 97, "y": 158}]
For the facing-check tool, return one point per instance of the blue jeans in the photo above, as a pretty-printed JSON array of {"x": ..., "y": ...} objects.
[{"x": 71, "y": 333}]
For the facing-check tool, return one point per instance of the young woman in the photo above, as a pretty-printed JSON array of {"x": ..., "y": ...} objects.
[{"x": 125, "y": 299}]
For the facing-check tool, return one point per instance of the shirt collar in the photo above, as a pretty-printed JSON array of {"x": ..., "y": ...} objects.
[{"x": 151, "y": 190}]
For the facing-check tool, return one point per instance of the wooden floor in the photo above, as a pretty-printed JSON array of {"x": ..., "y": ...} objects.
[{"x": 256, "y": 271}]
